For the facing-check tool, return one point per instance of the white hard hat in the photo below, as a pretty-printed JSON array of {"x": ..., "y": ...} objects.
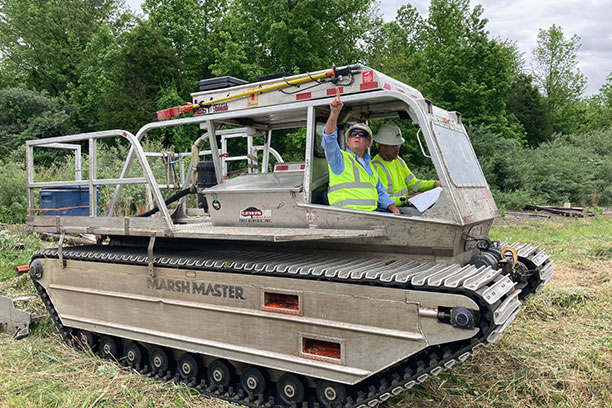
[
  {"x": 389, "y": 134},
  {"x": 361, "y": 126}
]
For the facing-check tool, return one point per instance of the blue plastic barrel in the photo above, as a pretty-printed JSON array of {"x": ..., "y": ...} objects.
[{"x": 72, "y": 200}]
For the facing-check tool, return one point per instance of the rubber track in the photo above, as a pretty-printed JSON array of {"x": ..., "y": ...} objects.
[{"x": 495, "y": 294}]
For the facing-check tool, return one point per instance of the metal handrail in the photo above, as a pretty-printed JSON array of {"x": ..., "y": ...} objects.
[
  {"x": 93, "y": 181},
  {"x": 421, "y": 145}
]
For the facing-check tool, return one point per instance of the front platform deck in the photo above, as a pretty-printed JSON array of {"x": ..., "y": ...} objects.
[{"x": 136, "y": 226}]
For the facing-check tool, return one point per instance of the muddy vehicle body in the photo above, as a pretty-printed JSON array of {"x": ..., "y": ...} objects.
[{"x": 271, "y": 296}]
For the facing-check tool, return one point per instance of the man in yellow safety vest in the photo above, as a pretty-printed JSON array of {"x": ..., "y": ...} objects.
[
  {"x": 392, "y": 170},
  {"x": 352, "y": 181}
]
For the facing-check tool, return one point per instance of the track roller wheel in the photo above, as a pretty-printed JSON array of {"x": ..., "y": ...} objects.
[
  {"x": 133, "y": 355},
  {"x": 253, "y": 380},
  {"x": 160, "y": 360},
  {"x": 290, "y": 389},
  {"x": 86, "y": 340},
  {"x": 188, "y": 366},
  {"x": 330, "y": 393},
  {"x": 220, "y": 373},
  {"x": 109, "y": 347}
]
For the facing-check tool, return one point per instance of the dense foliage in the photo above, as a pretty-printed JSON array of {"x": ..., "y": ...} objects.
[{"x": 69, "y": 66}]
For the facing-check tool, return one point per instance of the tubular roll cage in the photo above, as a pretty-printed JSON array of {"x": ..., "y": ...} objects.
[{"x": 419, "y": 107}]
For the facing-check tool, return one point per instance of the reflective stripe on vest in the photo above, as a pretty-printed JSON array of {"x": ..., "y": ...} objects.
[
  {"x": 391, "y": 187},
  {"x": 354, "y": 187},
  {"x": 351, "y": 202},
  {"x": 390, "y": 191}
]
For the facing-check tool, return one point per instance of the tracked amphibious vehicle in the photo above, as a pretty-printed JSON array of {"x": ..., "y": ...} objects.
[{"x": 271, "y": 296}]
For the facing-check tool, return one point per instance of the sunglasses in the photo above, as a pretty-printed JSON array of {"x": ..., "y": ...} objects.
[{"x": 359, "y": 133}]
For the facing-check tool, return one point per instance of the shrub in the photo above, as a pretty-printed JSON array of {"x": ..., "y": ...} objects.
[
  {"x": 27, "y": 114},
  {"x": 13, "y": 192},
  {"x": 574, "y": 168}
]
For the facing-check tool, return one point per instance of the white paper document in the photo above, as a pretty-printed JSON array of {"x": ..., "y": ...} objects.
[{"x": 425, "y": 200}]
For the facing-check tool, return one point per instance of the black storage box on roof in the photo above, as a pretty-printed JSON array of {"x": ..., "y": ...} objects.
[{"x": 220, "y": 82}]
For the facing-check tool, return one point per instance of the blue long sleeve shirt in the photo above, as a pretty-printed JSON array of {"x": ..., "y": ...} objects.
[{"x": 335, "y": 160}]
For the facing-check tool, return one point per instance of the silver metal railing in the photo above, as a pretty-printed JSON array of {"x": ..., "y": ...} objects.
[
  {"x": 153, "y": 189},
  {"x": 93, "y": 181}
]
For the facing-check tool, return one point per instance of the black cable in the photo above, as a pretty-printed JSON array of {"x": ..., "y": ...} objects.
[
  {"x": 312, "y": 79},
  {"x": 300, "y": 90},
  {"x": 170, "y": 200}
]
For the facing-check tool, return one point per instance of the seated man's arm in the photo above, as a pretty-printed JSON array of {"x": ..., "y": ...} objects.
[
  {"x": 418, "y": 186},
  {"x": 384, "y": 201}
]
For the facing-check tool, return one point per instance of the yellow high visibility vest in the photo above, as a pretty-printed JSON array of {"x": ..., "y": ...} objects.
[
  {"x": 397, "y": 178},
  {"x": 354, "y": 187}
]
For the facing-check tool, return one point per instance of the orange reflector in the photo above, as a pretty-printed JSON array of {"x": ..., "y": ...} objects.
[
  {"x": 281, "y": 302},
  {"x": 321, "y": 348},
  {"x": 23, "y": 269},
  {"x": 510, "y": 254}
]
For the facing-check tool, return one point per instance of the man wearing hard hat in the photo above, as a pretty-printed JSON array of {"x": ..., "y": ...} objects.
[
  {"x": 392, "y": 170},
  {"x": 352, "y": 181}
]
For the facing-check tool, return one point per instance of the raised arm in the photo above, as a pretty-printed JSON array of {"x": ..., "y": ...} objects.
[
  {"x": 332, "y": 122},
  {"x": 329, "y": 142}
]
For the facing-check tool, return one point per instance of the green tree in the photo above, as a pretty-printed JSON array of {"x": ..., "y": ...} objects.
[
  {"x": 42, "y": 41},
  {"x": 191, "y": 27},
  {"x": 527, "y": 105},
  {"x": 599, "y": 108},
  {"x": 557, "y": 74},
  {"x": 396, "y": 48},
  {"x": 467, "y": 71},
  {"x": 606, "y": 91},
  {"x": 145, "y": 64},
  {"x": 450, "y": 59},
  {"x": 95, "y": 85},
  {"x": 296, "y": 35},
  {"x": 27, "y": 114}
]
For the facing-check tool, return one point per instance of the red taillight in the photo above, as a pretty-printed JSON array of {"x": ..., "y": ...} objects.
[
  {"x": 322, "y": 348},
  {"x": 281, "y": 302}
]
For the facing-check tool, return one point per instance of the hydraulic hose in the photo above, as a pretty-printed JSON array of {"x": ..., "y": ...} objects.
[{"x": 189, "y": 190}]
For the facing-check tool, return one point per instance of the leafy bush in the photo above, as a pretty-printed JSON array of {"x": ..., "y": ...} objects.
[
  {"x": 515, "y": 199},
  {"x": 574, "y": 168},
  {"x": 27, "y": 114},
  {"x": 13, "y": 192}
]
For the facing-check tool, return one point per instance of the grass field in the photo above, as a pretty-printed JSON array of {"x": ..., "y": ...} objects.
[{"x": 557, "y": 353}]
